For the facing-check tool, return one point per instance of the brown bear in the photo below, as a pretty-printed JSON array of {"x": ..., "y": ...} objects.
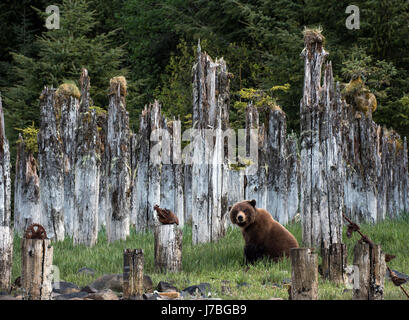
[{"x": 263, "y": 236}]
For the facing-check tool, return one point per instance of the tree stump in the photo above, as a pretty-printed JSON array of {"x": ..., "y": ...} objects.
[
  {"x": 51, "y": 165},
  {"x": 304, "y": 274},
  {"x": 118, "y": 156},
  {"x": 36, "y": 269},
  {"x": 369, "y": 281},
  {"x": 27, "y": 205},
  {"x": 133, "y": 273},
  {"x": 86, "y": 173},
  {"x": 334, "y": 260},
  {"x": 6, "y": 257},
  {"x": 168, "y": 248}
]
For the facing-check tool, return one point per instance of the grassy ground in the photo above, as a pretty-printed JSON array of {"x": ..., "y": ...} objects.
[{"x": 221, "y": 263}]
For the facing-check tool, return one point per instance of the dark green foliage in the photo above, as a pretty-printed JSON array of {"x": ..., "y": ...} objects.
[
  {"x": 60, "y": 55},
  {"x": 260, "y": 40}
]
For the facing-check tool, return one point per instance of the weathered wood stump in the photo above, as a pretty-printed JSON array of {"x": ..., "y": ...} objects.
[
  {"x": 6, "y": 231},
  {"x": 118, "y": 156},
  {"x": 168, "y": 248},
  {"x": 334, "y": 260},
  {"x": 51, "y": 165},
  {"x": 211, "y": 87},
  {"x": 27, "y": 205},
  {"x": 86, "y": 173},
  {"x": 321, "y": 174},
  {"x": 304, "y": 274},
  {"x": 133, "y": 273},
  {"x": 369, "y": 281},
  {"x": 69, "y": 106},
  {"x": 6, "y": 257},
  {"x": 36, "y": 269}
]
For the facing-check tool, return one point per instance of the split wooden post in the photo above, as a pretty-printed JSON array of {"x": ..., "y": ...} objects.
[
  {"x": 133, "y": 273},
  {"x": 369, "y": 275},
  {"x": 36, "y": 269},
  {"x": 6, "y": 257},
  {"x": 168, "y": 248},
  {"x": 334, "y": 261},
  {"x": 304, "y": 274}
]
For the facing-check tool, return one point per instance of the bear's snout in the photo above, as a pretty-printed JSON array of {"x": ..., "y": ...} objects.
[{"x": 241, "y": 217}]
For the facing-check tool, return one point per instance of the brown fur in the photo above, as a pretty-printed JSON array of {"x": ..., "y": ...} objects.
[{"x": 263, "y": 236}]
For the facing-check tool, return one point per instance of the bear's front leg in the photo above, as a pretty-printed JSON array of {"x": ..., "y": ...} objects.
[{"x": 253, "y": 252}]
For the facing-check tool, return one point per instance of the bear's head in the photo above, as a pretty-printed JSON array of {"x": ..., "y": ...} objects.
[{"x": 243, "y": 213}]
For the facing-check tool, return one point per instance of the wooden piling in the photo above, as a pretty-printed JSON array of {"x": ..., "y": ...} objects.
[
  {"x": 36, "y": 269},
  {"x": 371, "y": 266},
  {"x": 168, "y": 248},
  {"x": 304, "y": 274},
  {"x": 334, "y": 261},
  {"x": 133, "y": 273},
  {"x": 6, "y": 257}
]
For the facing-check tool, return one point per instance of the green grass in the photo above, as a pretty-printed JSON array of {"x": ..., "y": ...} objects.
[{"x": 221, "y": 263}]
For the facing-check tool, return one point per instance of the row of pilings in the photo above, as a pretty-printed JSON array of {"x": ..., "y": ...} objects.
[{"x": 93, "y": 172}]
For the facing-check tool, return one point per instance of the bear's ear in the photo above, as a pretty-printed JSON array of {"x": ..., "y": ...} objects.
[
  {"x": 252, "y": 202},
  {"x": 229, "y": 208}
]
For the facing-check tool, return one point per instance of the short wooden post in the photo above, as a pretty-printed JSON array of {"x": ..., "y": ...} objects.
[
  {"x": 6, "y": 257},
  {"x": 334, "y": 261},
  {"x": 304, "y": 274},
  {"x": 36, "y": 269},
  {"x": 133, "y": 273},
  {"x": 369, "y": 275},
  {"x": 168, "y": 248}
]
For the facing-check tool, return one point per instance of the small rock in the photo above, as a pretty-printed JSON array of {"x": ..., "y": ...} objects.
[
  {"x": 89, "y": 289},
  {"x": 151, "y": 296},
  {"x": 63, "y": 287},
  {"x": 243, "y": 284},
  {"x": 106, "y": 294},
  {"x": 166, "y": 287},
  {"x": 87, "y": 271},
  {"x": 137, "y": 297},
  {"x": 7, "y": 297},
  {"x": 108, "y": 281},
  {"x": 276, "y": 298},
  {"x": 202, "y": 289},
  {"x": 71, "y": 296},
  {"x": 147, "y": 283}
]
